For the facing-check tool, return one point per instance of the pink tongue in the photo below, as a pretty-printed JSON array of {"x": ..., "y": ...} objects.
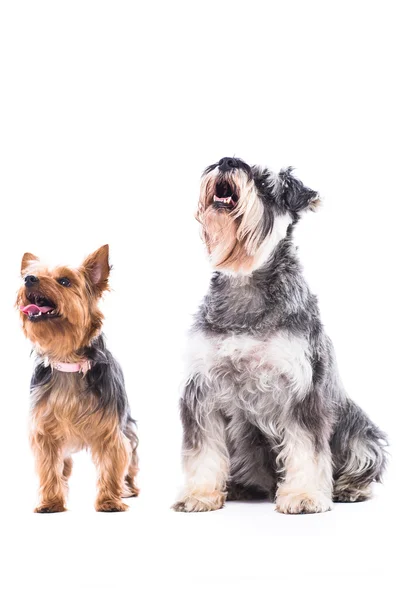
[{"x": 32, "y": 309}]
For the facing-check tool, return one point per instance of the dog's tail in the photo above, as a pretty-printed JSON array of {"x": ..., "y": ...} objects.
[{"x": 358, "y": 452}]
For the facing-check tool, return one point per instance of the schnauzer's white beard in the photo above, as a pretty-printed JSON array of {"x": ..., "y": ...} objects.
[
  {"x": 251, "y": 211},
  {"x": 238, "y": 248},
  {"x": 262, "y": 254}
]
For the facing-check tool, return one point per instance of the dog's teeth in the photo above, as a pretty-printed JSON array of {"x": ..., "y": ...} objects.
[{"x": 223, "y": 200}]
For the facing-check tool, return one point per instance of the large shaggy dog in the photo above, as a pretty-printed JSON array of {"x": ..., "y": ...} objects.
[{"x": 263, "y": 409}]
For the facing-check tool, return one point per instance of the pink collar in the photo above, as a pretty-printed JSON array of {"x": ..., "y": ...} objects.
[{"x": 79, "y": 367}]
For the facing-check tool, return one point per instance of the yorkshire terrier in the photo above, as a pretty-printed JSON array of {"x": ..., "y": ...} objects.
[
  {"x": 263, "y": 409},
  {"x": 77, "y": 389}
]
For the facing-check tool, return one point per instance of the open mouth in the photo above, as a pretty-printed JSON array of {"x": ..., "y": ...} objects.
[
  {"x": 39, "y": 308},
  {"x": 225, "y": 196}
]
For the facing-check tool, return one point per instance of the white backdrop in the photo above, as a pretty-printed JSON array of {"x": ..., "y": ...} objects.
[{"x": 109, "y": 111}]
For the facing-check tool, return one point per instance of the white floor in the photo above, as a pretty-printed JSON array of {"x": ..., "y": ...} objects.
[{"x": 152, "y": 552}]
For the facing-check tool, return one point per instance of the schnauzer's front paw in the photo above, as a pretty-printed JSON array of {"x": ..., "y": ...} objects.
[
  {"x": 302, "y": 503},
  {"x": 111, "y": 506},
  {"x": 201, "y": 503},
  {"x": 50, "y": 507}
]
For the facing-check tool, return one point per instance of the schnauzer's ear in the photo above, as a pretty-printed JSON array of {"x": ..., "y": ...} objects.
[
  {"x": 26, "y": 259},
  {"x": 97, "y": 269},
  {"x": 295, "y": 195}
]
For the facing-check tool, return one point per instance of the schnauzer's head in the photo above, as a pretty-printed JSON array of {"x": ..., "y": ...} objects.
[
  {"x": 59, "y": 307},
  {"x": 245, "y": 211}
]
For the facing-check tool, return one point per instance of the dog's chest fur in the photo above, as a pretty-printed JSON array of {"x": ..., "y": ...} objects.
[
  {"x": 63, "y": 395},
  {"x": 243, "y": 372},
  {"x": 64, "y": 408}
]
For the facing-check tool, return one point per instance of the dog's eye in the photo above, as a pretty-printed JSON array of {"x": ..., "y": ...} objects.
[
  {"x": 262, "y": 184},
  {"x": 64, "y": 281}
]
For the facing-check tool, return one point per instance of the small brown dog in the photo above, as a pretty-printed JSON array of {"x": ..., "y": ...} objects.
[{"x": 77, "y": 389}]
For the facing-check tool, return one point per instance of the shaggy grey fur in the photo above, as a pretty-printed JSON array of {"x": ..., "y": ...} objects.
[{"x": 229, "y": 405}]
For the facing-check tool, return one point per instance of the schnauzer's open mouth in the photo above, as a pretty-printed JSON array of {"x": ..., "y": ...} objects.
[
  {"x": 225, "y": 196},
  {"x": 40, "y": 308}
]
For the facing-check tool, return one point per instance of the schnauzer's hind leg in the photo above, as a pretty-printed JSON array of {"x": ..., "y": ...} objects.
[
  {"x": 353, "y": 480},
  {"x": 358, "y": 451}
]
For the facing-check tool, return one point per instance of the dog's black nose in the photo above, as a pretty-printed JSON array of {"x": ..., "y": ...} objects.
[
  {"x": 227, "y": 163},
  {"x": 30, "y": 280}
]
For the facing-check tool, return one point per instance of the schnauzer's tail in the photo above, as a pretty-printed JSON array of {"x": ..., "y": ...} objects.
[{"x": 358, "y": 453}]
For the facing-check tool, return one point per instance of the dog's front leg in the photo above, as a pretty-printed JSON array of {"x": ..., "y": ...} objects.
[
  {"x": 205, "y": 455},
  {"x": 49, "y": 462},
  {"x": 307, "y": 467}
]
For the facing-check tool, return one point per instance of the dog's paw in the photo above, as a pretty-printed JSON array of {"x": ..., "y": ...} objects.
[
  {"x": 50, "y": 507},
  {"x": 111, "y": 506},
  {"x": 200, "y": 503},
  {"x": 303, "y": 503},
  {"x": 130, "y": 492},
  {"x": 130, "y": 488}
]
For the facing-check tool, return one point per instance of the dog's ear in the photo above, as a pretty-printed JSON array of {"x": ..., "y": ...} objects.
[
  {"x": 294, "y": 195},
  {"x": 26, "y": 260},
  {"x": 97, "y": 269}
]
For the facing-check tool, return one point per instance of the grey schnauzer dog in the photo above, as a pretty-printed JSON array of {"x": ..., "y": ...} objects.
[{"x": 263, "y": 409}]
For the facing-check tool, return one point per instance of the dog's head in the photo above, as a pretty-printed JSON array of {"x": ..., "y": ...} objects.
[
  {"x": 59, "y": 307},
  {"x": 246, "y": 210}
]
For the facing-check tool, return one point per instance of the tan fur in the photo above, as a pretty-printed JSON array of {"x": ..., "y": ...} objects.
[
  {"x": 61, "y": 424},
  {"x": 232, "y": 238},
  {"x": 64, "y": 419},
  {"x": 81, "y": 319}
]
